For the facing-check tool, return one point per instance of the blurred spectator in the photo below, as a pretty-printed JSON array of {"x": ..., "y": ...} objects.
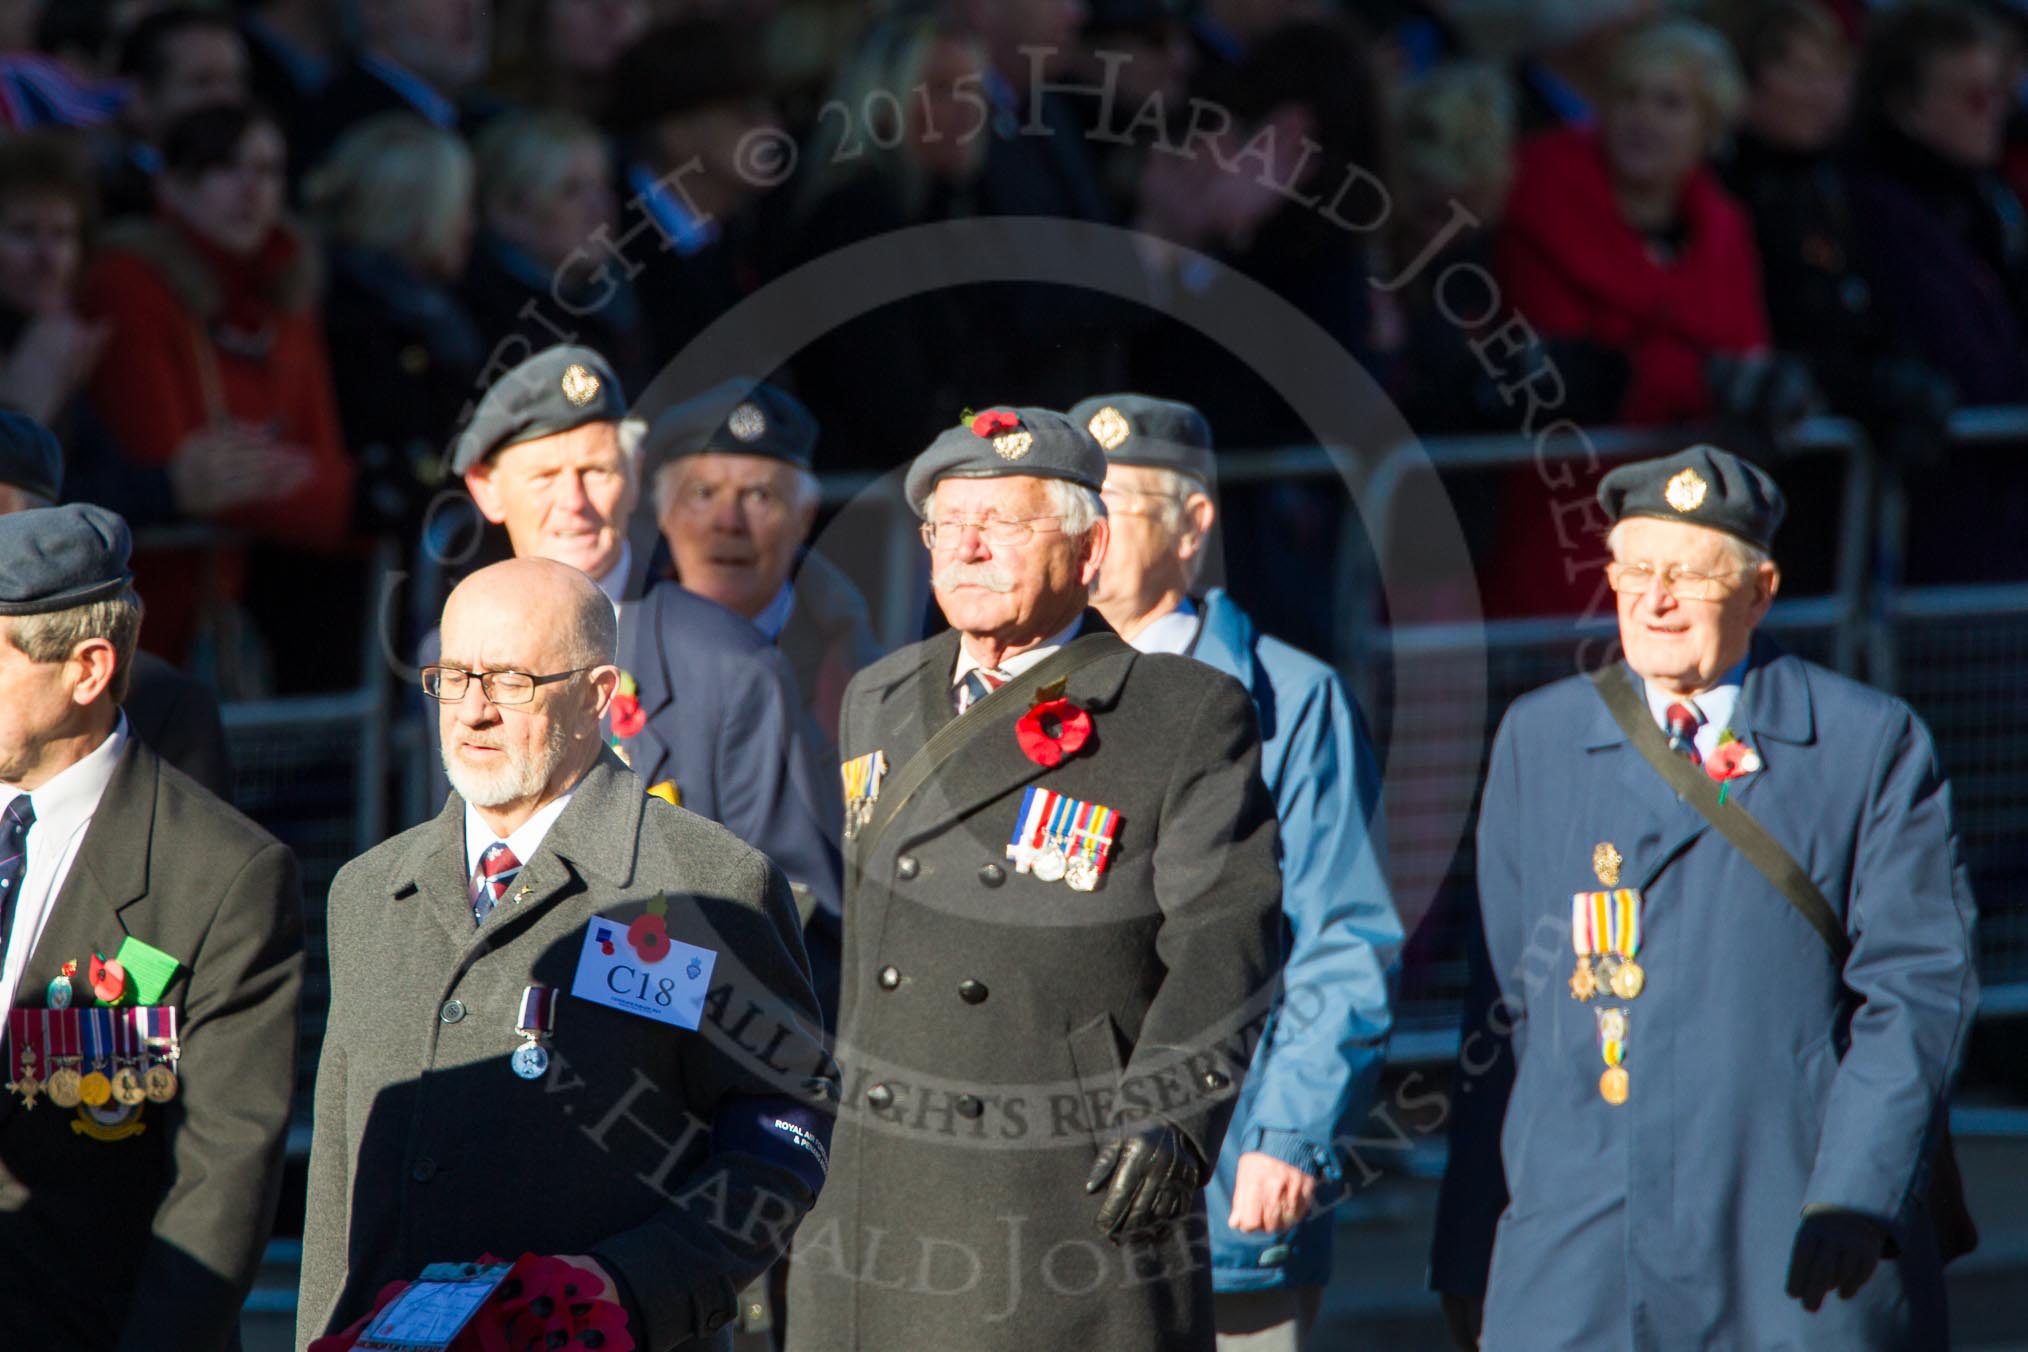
[
  {"x": 1568, "y": 71},
  {"x": 1453, "y": 163},
  {"x": 685, "y": 99},
  {"x": 536, "y": 278},
  {"x": 884, "y": 384},
  {"x": 1948, "y": 235},
  {"x": 46, "y": 210},
  {"x": 422, "y": 56},
  {"x": 292, "y": 45},
  {"x": 1622, "y": 239},
  {"x": 1141, "y": 50},
  {"x": 175, "y": 60},
  {"x": 1783, "y": 168},
  {"x": 394, "y": 200},
  {"x": 561, "y": 53},
  {"x": 216, "y": 368}
]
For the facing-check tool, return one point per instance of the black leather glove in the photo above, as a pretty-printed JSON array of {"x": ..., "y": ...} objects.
[
  {"x": 1835, "y": 1250},
  {"x": 1154, "y": 1171}
]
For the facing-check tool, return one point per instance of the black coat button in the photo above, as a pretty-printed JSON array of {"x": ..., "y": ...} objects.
[
  {"x": 425, "y": 1170},
  {"x": 452, "y": 1011},
  {"x": 718, "y": 1320},
  {"x": 972, "y": 992},
  {"x": 906, "y": 867},
  {"x": 992, "y": 875},
  {"x": 889, "y": 978},
  {"x": 879, "y": 1096},
  {"x": 969, "y": 1107},
  {"x": 1215, "y": 1081}
]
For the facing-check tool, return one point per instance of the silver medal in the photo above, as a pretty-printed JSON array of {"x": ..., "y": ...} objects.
[
  {"x": 1049, "y": 863},
  {"x": 530, "y": 1061},
  {"x": 1081, "y": 873},
  {"x": 59, "y": 993}
]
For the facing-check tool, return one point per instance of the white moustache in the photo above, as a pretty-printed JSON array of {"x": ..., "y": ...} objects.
[{"x": 989, "y": 576}]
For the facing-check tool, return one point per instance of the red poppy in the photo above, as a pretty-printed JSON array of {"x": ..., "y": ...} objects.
[
  {"x": 109, "y": 979},
  {"x": 649, "y": 935},
  {"x": 1052, "y": 730},
  {"x": 995, "y": 420},
  {"x": 628, "y": 717},
  {"x": 1731, "y": 760}
]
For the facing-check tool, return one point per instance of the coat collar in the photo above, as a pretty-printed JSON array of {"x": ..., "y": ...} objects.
[
  {"x": 1228, "y": 635},
  {"x": 1774, "y": 701},
  {"x": 110, "y": 872}
]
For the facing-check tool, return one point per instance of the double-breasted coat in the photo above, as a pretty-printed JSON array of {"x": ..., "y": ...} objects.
[
  {"x": 142, "y": 1228},
  {"x": 680, "y": 1160},
  {"x": 997, "y": 1029},
  {"x": 1761, "y": 1077}
]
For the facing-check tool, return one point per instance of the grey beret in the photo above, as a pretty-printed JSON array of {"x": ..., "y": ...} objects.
[
  {"x": 1001, "y": 442},
  {"x": 53, "y": 558},
  {"x": 1703, "y": 486},
  {"x": 1139, "y": 429},
  {"x": 739, "y": 417},
  {"x": 556, "y": 390},
  {"x": 30, "y": 457}
]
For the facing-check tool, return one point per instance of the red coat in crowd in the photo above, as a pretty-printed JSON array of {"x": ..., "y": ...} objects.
[
  {"x": 1568, "y": 261},
  {"x": 201, "y": 338}
]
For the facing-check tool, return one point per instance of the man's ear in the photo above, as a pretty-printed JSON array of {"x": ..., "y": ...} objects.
[
  {"x": 485, "y": 493},
  {"x": 1198, "y": 516},
  {"x": 95, "y": 661},
  {"x": 604, "y": 684},
  {"x": 1095, "y": 541}
]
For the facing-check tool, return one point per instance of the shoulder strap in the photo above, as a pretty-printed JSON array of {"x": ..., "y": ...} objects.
[
  {"x": 962, "y": 730},
  {"x": 1698, "y": 789}
]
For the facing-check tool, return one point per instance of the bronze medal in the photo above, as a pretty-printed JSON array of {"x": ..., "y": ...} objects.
[
  {"x": 1628, "y": 979},
  {"x": 1583, "y": 985},
  {"x": 63, "y": 1087},
  {"x": 95, "y": 1090},
  {"x": 128, "y": 1087},
  {"x": 1612, "y": 1086},
  {"x": 160, "y": 1083}
]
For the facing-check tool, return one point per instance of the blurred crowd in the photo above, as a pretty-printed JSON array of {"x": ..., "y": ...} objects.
[{"x": 257, "y": 261}]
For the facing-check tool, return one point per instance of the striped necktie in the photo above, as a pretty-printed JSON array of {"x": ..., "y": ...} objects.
[
  {"x": 1683, "y": 719},
  {"x": 978, "y": 683},
  {"x": 14, "y": 824},
  {"x": 497, "y": 867}
]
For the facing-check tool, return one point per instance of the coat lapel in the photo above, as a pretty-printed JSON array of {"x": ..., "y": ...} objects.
[
  {"x": 641, "y": 657},
  {"x": 1774, "y": 709},
  {"x": 1664, "y": 824},
  {"x": 431, "y": 876}
]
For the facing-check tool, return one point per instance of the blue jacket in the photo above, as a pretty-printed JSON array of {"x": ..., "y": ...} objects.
[
  {"x": 1319, "y": 1059},
  {"x": 1762, "y": 1078}
]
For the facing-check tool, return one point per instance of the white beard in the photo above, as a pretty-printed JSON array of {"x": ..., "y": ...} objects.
[{"x": 518, "y": 778}]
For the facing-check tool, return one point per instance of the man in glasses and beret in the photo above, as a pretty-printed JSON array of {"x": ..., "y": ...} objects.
[
  {"x": 151, "y": 961},
  {"x": 1728, "y": 975},
  {"x": 1060, "y": 941},
  {"x": 1314, "y": 1076},
  {"x": 707, "y": 712}
]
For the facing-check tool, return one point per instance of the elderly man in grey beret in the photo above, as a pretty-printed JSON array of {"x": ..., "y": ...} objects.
[
  {"x": 1313, "y": 1082},
  {"x": 707, "y": 713},
  {"x": 141, "y": 1177},
  {"x": 1060, "y": 941}
]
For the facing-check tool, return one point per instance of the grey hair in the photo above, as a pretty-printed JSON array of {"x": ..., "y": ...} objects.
[
  {"x": 1080, "y": 507},
  {"x": 1748, "y": 555},
  {"x": 54, "y": 636}
]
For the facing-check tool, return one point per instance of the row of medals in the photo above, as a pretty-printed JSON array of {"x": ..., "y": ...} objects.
[
  {"x": 1078, "y": 871},
  {"x": 68, "y": 1086},
  {"x": 1609, "y": 971}
]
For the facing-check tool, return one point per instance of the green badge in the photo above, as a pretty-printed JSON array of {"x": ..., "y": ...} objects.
[{"x": 150, "y": 969}]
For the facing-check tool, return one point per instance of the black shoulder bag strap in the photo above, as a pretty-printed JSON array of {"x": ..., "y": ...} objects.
[
  {"x": 1956, "y": 1234},
  {"x": 955, "y": 735}
]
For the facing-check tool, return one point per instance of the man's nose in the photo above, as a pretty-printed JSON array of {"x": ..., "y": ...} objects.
[{"x": 972, "y": 544}]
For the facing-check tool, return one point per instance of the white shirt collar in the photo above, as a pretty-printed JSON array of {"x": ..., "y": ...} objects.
[
  {"x": 525, "y": 841},
  {"x": 775, "y": 618},
  {"x": 72, "y": 795},
  {"x": 614, "y": 583},
  {"x": 1174, "y": 632},
  {"x": 1014, "y": 666},
  {"x": 1716, "y": 705}
]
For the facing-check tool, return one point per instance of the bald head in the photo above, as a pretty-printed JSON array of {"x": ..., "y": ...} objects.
[{"x": 545, "y": 620}]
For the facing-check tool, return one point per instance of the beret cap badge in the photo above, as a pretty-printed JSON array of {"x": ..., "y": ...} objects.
[
  {"x": 579, "y": 385},
  {"x": 1686, "y": 491},
  {"x": 1003, "y": 429},
  {"x": 1109, "y": 427},
  {"x": 747, "y": 422}
]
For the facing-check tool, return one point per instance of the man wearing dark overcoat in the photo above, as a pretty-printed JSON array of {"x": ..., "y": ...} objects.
[
  {"x": 1061, "y": 937},
  {"x": 490, "y": 1082},
  {"x": 1731, "y": 932},
  {"x": 138, "y": 1178}
]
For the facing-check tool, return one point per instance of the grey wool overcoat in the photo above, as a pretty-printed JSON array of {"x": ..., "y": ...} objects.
[
  {"x": 997, "y": 1028},
  {"x": 681, "y": 1160}
]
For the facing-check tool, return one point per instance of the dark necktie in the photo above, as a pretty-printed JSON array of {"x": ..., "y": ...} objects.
[
  {"x": 979, "y": 682},
  {"x": 14, "y": 824},
  {"x": 1683, "y": 721},
  {"x": 497, "y": 867}
]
